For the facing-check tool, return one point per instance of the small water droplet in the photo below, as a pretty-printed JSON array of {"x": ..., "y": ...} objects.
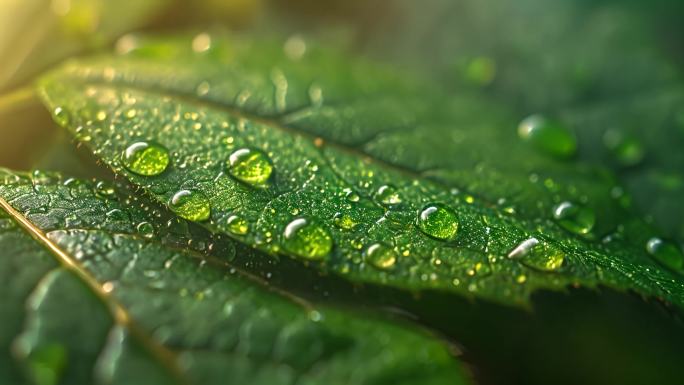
[
  {"x": 145, "y": 158},
  {"x": 538, "y": 255},
  {"x": 190, "y": 205},
  {"x": 104, "y": 190},
  {"x": 388, "y": 195},
  {"x": 237, "y": 225},
  {"x": 295, "y": 47},
  {"x": 380, "y": 256},
  {"x": 575, "y": 218},
  {"x": 61, "y": 116},
  {"x": 146, "y": 229},
  {"x": 481, "y": 70},
  {"x": 438, "y": 221},
  {"x": 201, "y": 42},
  {"x": 203, "y": 88},
  {"x": 665, "y": 252},
  {"x": 344, "y": 221},
  {"x": 250, "y": 166},
  {"x": 352, "y": 196},
  {"x": 626, "y": 149},
  {"x": 548, "y": 136},
  {"x": 307, "y": 239}
]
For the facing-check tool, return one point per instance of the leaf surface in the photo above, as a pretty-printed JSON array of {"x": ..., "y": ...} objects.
[
  {"x": 363, "y": 158},
  {"x": 100, "y": 290}
]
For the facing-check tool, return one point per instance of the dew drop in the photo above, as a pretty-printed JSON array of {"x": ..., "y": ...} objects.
[
  {"x": 538, "y": 255},
  {"x": 344, "y": 221},
  {"x": 237, "y": 225},
  {"x": 380, "y": 256},
  {"x": 626, "y": 149},
  {"x": 307, "y": 239},
  {"x": 665, "y": 252},
  {"x": 438, "y": 221},
  {"x": 190, "y": 205},
  {"x": 352, "y": 196},
  {"x": 146, "y": 229},
  {"x": 61, "y": 116},
  {"x": 104, "y": 190},
  {"x": 250, "y": 166},
  {"x": 145, "y": 158},
  {"x": 548, "y": 136},
  {"x": 574, "y": 218},
  {"x": 388, "y": 195}
]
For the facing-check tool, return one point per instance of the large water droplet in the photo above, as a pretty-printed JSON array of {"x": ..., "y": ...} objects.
[
  {"x": 538, "y": 255},
  {"x": 574, "y": 218},
  {"x": 667, "y": 253},
  {"x": 145, "y": 158},
  {"x": 380, "y": 256},
  {"x": 307, "y": 239},
  {"x": 250, "y": 166},
  {"x": 548, "y": 136},
  {"x": 191, "y": 205},
  {"x": 438, "y": 221},
  {"x": 388, "y": 195},
  {"x": 237, "y": 225}
]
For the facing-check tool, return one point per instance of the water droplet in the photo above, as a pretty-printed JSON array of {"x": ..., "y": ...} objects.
[
  {"x": 61, "y": 116},
  {"x": 352, "y": 196},
  {"x": 548, "y": 136},
  {"x": 250, "y": 166},
  {"x": 388, "y": 195},
  {"x": 344, "y": 221},
  {"x": 146, "y": 229},
  {"x": 190, "y": 205},
  {"x": 626, "y": 149},
  {"x": 438, "y": 221},
  {"x": 667, "y": 253},
  {"x": 295, "y": 47},
  {"x": 201, "y": 42},
  {"x": 538, "y": 255},
  {"x": 307, "y": 239},
  {"x": 104, "y": 190},
  {"x": 574, "y": 218},
  {"x": 145, "y": 158},
  {"x": 237, "y": 225},
  {"x": 481, "y": 70},
  {"x": 380, "y": 256}
]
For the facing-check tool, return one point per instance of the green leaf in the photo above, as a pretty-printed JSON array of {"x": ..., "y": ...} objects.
[
  {"x": 102, "y": 288},
  {"x": 357, "y": 169}
]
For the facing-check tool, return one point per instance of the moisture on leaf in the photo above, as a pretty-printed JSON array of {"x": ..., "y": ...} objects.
[
  {"x": 373, "y": 156},
  {"x": 93, "y": 297}
]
